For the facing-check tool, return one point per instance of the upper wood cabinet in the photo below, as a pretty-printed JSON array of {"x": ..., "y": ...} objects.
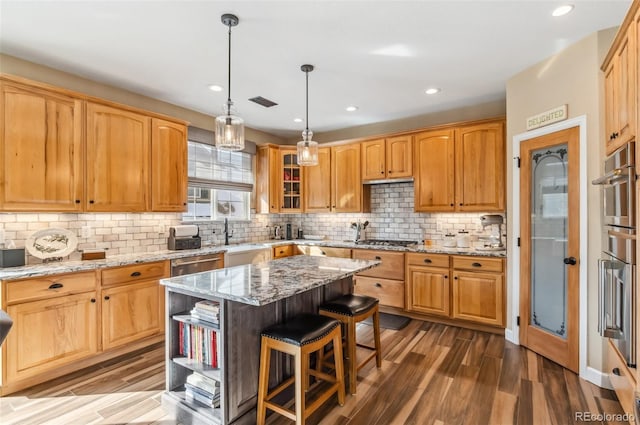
[
  {"x": 480, "y": 167},
  {"x": 41, "y": 150},
  {"x": 268, "y": 179},
  {"x": 621, "y": 97},
  {"x": 460, "y": 169},
  {"x": 346, "y": 181},
  {"x": 389, "y": 158},
  {"x": 434, "y": 183},
  {"x": 317, "y": 184},
  {"x": 168, "y": 166},
  {"x": 290, "y": 182},
  {"x": 118, "y": 150},
  {"x": 66, "y": 152}
]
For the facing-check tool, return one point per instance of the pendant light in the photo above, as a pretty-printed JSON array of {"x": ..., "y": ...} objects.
[
  {"x": 229, "y": 128},
  {"x": 307, "y": 148}
]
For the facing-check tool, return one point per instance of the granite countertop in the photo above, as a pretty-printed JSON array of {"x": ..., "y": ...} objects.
[
  {"x": 46, "y": 269},
  {"x": 270, "y": 281}
]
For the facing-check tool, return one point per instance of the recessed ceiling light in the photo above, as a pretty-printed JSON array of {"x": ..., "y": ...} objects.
[
  {"x": 432, "y": 90},
  {"x": 562, "y": 10},
  {"x": 297, "y": 120},
  {"x": 351, "y": 108},
  {"x": 214, "y": 87}
]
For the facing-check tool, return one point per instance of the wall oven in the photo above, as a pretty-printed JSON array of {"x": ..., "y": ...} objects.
[{"x": 616, "y": 267}]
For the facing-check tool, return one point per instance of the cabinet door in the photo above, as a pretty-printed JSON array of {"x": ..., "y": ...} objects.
[
  {"x": 131, "y": 312},
  {"x": 346, "y": 182},
  {"x": 41, "y": 150},
  {"x": 317, "y": 184},
  {"x": 291, "y": 178},
  {"x": 434, "y": 176},
  {"x": 610, "y": 108},
  {"x": 118, "y": 155},
  {"x": 399, "y": 158},
  {"x": 373, "y": 160},
  {"x": 50, "y": 333},
  {"x": 429, "y": 290},
  {"x": 168, "y": 166},
  {"x": 626, "y": 88},
  {"x": 478, "y": 297},
  {"x": 480, "y": 164}
]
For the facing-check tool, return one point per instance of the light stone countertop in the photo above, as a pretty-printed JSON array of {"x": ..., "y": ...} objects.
[
  {"x": 269, "y": 281},
  {"x": 45, "y": 269}
]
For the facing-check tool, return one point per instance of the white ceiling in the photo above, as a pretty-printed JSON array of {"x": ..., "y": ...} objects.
[{"x": 173, "y": 50}]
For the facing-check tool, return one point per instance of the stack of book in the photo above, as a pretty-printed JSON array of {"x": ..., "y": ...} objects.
[
  {"x": 207, "y": 311},
  {"x": 198, "y": 343},
  {"x": 203, "y": 390}
]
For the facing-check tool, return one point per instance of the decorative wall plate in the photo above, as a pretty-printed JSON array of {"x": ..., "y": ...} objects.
[{"x": 51, "y": 243}]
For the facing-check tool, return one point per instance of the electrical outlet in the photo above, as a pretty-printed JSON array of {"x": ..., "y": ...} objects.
[
  {"x": 84, "y": 231},
  {"x": 161, "y": 229}
]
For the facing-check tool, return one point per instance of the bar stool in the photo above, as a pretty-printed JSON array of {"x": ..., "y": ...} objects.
[
  {"x": 350, "y": 310},
  {"x": 299, "y": 337}
]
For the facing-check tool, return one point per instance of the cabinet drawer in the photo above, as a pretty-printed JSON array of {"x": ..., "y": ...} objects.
[
  {"x": 478, "y": 263},
  {"x": 622, "y": 379},
  {"x": 392, "y": 266},
  {"x": 389, "y": 292},
  {"x": 50, "y": 286},
  {"x": 134, "y": 272},
  {"x": 324, "y": 251},
  {"x": 282, "y": 251},
  {"x": 430, "y": 260}
]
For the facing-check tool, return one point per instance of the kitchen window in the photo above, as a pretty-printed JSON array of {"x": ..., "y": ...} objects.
[{"x": 220, "y": 184}]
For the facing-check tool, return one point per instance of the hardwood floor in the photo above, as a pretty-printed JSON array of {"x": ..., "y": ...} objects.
[{"x": 431, "y": 374}]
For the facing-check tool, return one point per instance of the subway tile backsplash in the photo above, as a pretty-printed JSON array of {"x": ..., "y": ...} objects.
[{"x": 391, "y": 217}]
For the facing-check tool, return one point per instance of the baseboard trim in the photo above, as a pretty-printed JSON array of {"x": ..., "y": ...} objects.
[
  {"x": 511, "y": 336},
  {"x": 596, "y": 377}
]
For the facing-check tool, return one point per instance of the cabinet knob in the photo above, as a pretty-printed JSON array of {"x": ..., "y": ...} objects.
[
  {"x": 476, "y": 264},
  {"x": 389, "y": 171},
  {"x": 381, "y": 172},
  {"x": 460, "y": 203},
  {"x": 91, "y": 201},
  {"x": 323, "y": 253},
  {"x": 328, "y": 206},
  {"x": 93, "y": 300},
  {"x": 428, "y": 260},
  {"x": 615, "y": 371},
  {"x": 378, "y": 285},
  {"x": 450, "y": 204},
  {"x": 184, "y": 203},
  {"x": 455, "y": 278},
  {"x": 446, "y": 277},
  {"x": 334, "y": 206},
  {"x": 107, "y": 297},
  {"x": 77, "y": 201},
  {"x": 378, "y": 257},
  {"x": 135, "y": 274},
  {"x": 56, "y": 285}
]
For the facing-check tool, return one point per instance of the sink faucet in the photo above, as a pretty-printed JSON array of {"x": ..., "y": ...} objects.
[{"x": 226, "y": 231}]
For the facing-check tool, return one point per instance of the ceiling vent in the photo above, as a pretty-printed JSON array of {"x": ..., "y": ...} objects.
[{"x": 262, "y": 101}]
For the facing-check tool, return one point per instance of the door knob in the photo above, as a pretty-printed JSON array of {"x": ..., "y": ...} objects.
[{"x": 570, "y": 261}]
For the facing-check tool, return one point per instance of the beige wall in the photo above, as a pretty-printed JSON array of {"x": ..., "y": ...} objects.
[
  {"x": 571, "y": 77},
  {"x": 33, "y": 71}
]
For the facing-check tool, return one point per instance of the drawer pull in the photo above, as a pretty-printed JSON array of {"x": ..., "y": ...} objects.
[
  {"x": 476, "y": 264},
  {"x": 378, "y": 257},
  {"x": 136, "y": 274},
  {"x": 616, "y": 371},
  {"x": 323, "y": 253},
  {"x": 107, "y": 297},
  {"x": 56, "y": 286},
  {"x": 428, "y": 260},
  {"x": 378, "y": 285}
]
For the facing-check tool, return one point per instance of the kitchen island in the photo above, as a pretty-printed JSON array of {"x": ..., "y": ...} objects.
[{"x": 250, "y": 297}]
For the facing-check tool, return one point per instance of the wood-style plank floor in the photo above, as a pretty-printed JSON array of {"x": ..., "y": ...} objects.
[{"x": 431, "y": 374}]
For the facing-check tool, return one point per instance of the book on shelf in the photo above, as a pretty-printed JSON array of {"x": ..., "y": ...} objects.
[
  {"x": 198, "y": 343},
  {"x": 192, "y": 393},
  {"x": 206, "y": 311},
  {"x": 204, "y": 383}
]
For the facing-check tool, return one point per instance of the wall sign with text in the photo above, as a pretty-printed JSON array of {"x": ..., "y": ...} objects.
[{"x": 548, "y": 117}]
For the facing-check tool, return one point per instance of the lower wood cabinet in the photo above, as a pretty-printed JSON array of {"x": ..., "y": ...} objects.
[
  {"x": 50, "y": 333},
  {"x": 283, "y": 251},
  {"x": 131, "y": 312},
  {"x": 324, "y": 251},
  {"x": 385, "y": 281},
  {"x": 478, "y": 297},
  {"x": 389, "y": 292},
  {"x": 623, "y": 378},
  {"x": 69, "y": 321}
]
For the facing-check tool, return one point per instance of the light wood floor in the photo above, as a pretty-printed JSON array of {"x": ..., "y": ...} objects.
[{"x": 431, "y": 374}]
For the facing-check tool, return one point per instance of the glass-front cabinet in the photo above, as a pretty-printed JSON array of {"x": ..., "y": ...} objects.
[{"x": 291, "y": 175}]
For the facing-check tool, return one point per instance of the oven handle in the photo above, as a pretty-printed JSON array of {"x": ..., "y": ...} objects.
[
  {"x": 601, "y": 297},
  {"x": 615, "y": 176},
  {"x": 607, "y": 296}
]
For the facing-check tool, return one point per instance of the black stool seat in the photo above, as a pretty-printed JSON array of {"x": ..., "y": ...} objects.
[
  {"x": 350, "y": 305},
  {"x": 302, "y": 329}
]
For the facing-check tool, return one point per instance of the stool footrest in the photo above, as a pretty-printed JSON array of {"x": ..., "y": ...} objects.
[
  {"x": 277, "y": 390},
  {"x": 366, "y": 360},
  {"x": 279, "y": 409},
  {"x": 368, "y": 347}
]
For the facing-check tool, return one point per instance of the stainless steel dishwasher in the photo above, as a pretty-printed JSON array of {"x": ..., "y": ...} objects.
[{"x": 196, "y": 263}]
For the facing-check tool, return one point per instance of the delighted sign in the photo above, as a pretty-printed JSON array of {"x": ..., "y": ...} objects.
[{"x": 547, "y": 117}]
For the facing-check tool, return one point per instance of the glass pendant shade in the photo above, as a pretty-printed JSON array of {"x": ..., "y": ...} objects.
[
  {"x": 229, "y": 132},
  {"x": 307, "y": 150}
]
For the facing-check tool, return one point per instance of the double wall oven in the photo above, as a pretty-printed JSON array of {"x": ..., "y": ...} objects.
[{"x": 616, "y": 267}]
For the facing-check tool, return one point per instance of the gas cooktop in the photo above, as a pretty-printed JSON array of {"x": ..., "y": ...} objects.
[{"x": 386, "y": 242}]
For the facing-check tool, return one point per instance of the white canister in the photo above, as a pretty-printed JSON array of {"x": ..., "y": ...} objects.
[
  {"x": 449, "y": 240},
  {"x": 463, "y": 240}
]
